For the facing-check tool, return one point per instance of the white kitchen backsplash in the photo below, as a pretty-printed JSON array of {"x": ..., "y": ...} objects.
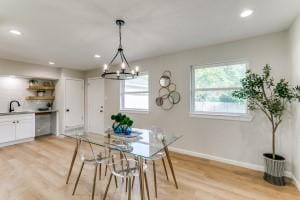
[{"x": 15, "y": 88}]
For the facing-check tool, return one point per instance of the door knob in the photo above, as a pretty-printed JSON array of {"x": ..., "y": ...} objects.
[
  {"x": 67, "y": 110},
  {"x": 101, "y": 110}
]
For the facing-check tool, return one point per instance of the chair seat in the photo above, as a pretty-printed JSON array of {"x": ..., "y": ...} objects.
[
  {"x": 157, "y": 156},
  {"x": 126, "y": 168},
  {"x": 88, "y": 158}
]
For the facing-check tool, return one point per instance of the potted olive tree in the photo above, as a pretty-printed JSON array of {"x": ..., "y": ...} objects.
[{"x": 263, "y": 93}]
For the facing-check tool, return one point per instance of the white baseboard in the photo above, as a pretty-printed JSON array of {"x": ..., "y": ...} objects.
[
  {"x": 296, "y": 182},
  {"x": 224, "y": 160},
  {"x": 16, "y": 142}
]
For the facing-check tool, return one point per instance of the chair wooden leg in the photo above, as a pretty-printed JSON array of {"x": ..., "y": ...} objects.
[
  {"x": 100, "y": 171},
  {"x": 155, "y": 181},
  {"x": 94, "y": 183},
  {"x": 107, "y": 187},
  {"x": 113, "y": 162},
  {"x": 141, "y": 173},
  {"x": 105, "y": 172},
  {"x": 78, "y": 177},
  {"x": 106, "y": 166},
  {"x": 132, "y": 184},
  {"x": 129, "y": 188},
  {"x": 73, "y": 160},
  {"x": 171, "y": 166},
  {"x": 165, "y": 168},
  {"x": 126, "y": 184},
  {"x": 122, "y": 164},
  {"x": 147, "y": 187}
]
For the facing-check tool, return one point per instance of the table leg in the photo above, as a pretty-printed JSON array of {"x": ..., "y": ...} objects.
[
  {"x": 171, "y": 165},
  {"x": 141, "y": 163},
  {"x": 73, "y": 160}
]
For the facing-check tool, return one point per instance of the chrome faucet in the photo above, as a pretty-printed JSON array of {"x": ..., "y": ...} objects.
[{"x": 11, "y": 108}]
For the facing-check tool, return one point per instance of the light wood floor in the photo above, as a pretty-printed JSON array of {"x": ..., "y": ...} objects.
[{"x": 37, "y": 170}]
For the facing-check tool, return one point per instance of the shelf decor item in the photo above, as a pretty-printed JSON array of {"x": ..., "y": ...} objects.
[
  {"x": 122, "y": 124},
  {"x": 40, "y": 93},
  {"x": 125, "y": 72},
  {"x": 33, "y": 82},
  {"x": 168, "y": 96},
  {"x": 272, "y": 98}
]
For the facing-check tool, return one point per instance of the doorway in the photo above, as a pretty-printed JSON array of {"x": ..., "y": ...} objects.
[{"x": 95, "y": 105}]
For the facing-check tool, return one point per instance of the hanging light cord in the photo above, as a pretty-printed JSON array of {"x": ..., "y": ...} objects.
[
  {"x": 120, "y": 50},
  {"x": 120, "y": 36}
]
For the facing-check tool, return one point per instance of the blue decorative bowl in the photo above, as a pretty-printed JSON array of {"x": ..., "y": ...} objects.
[
  {"x": 127, "y": 131},
  {"x": 118, "y": 130}
]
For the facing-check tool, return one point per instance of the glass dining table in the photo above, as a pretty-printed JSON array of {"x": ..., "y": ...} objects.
[{"x": 142, "y": 144}]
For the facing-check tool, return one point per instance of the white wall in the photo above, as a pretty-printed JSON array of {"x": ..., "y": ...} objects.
[
  {"x": 9, "y": 67},
  {"x": 233, "y": 140},
  {"x": 294, "y": 41}
]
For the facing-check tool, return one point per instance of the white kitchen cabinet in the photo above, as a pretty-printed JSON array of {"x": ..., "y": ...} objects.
[
  {"x": 7, "y": 131},
  {"x": 25, "y": 129},
  {"x": 16, "y": 128}
]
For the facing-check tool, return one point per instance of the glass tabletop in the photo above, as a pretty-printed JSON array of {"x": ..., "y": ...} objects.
[{"x": 142, "y": 142}]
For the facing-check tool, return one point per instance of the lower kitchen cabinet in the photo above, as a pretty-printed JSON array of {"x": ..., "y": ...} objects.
[
  {"x": 25, "y": 129},
  {"x": 7, "y": 131},
  {"x": 16, "y": 128}
]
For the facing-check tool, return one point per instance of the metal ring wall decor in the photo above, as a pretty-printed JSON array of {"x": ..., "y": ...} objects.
[{"x": 167, "y": 94}]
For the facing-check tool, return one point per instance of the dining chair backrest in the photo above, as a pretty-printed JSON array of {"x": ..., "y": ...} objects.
[{"x": 86, "y": 150}]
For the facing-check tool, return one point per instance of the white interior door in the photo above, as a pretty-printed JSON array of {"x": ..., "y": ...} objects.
[
  {"x": 95, "y": 106},
  {"x": 74, "y": 103}
]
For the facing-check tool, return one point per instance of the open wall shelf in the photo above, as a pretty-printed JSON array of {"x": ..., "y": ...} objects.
[
  {"x": 40, "y": 98},
  {"x": 41, "y": 88}
]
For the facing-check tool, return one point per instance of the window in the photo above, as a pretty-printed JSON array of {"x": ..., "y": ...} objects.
[
  {"x": 135, "y": 93},
  {"x": 212, "y": 88}
]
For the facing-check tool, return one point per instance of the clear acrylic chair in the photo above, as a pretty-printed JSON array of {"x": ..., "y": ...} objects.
[
  {"x": 88, "y": 156},
  {"x": 159, "y": 134},
  {"x": 159, "y": 156},
  {"x": 128, "y": 169}
]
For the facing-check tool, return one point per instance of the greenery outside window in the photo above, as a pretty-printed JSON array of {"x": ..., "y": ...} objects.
[
  {"x": 212, "y": 87},
  {"x": 134, "y": 94}
]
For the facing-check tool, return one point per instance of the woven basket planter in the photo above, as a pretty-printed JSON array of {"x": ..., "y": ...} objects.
[{"x": 274, "y": 169}]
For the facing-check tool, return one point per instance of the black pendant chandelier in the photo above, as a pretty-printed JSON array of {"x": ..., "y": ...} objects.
[{"x": 125, "y": 72}]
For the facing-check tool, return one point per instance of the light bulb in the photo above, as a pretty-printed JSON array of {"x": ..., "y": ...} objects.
[
  {"x": 123, "y": 65},
  {"x": 137, "y": 68},
  {"x": 118, "y": 73},
  {"x": 246, "y": 13},
  {"x": 105, "y": 67},
  {"x": 132, "y": 72}
]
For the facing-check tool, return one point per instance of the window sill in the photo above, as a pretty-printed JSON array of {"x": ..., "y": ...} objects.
[
  {"x": 134, "y": 111},
  {"x": 231, "y": 117}
]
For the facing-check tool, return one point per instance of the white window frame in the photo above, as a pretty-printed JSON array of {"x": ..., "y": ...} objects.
[
  {"x": 215, "y": 115},
  {"x": 122, "y": 97}
]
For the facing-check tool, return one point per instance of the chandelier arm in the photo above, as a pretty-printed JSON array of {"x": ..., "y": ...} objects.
[
  {"x": 122, "y": 55},
  {"x": 113, "y": 58},
  {"x": 122, "y": 59}
]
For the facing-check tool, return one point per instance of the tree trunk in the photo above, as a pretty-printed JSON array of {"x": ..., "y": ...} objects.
[{"x": 273, "y": 143}]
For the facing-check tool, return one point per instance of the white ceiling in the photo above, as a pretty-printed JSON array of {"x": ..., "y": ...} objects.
[{"x": 70, "y": 32}]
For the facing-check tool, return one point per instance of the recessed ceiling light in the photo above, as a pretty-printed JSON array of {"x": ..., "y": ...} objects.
[
  {"x": 246, "y": 13},
  {"x": 15, "y": 32},
  {"x": 51, "y": 63},
  {"x": 97, "y": 56}
]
